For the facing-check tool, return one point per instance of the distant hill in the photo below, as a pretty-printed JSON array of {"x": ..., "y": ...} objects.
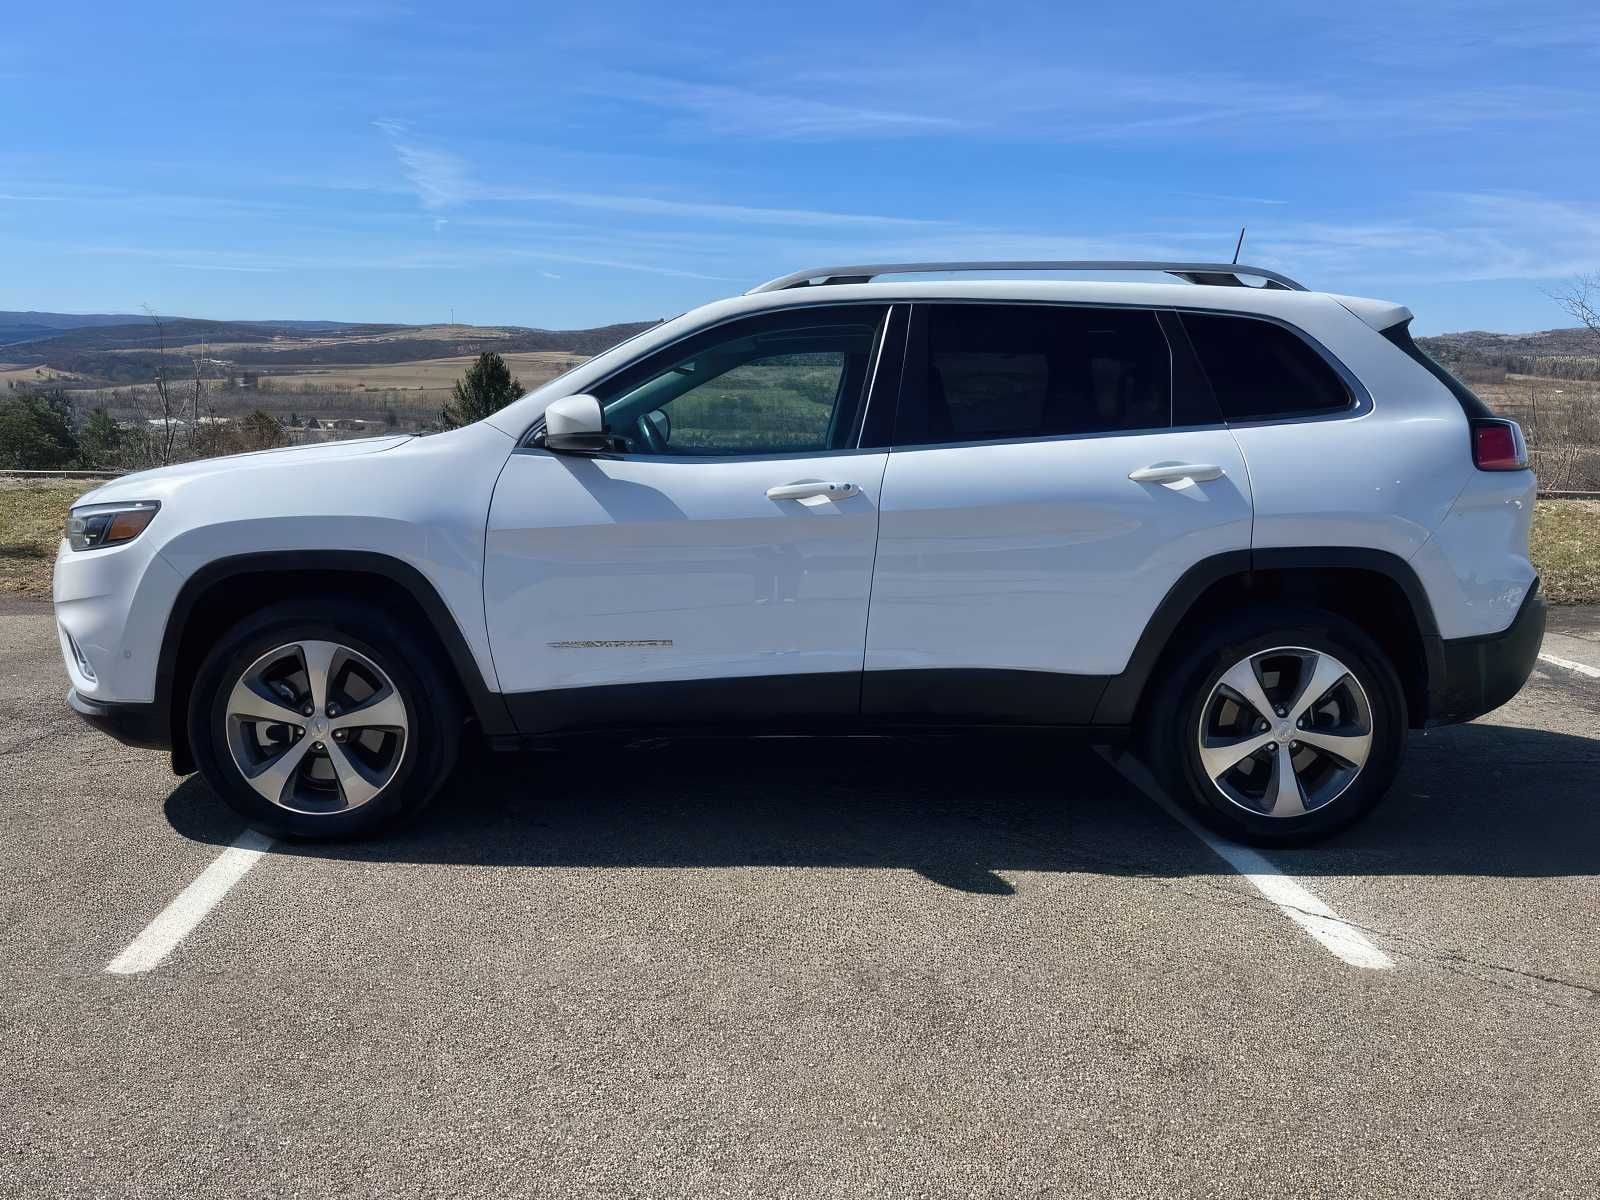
[
  {"x": 127, "y": 350},
  {"x": 1550, "y": 341},
  {"x": 1553, "y": 353},
  {"x": 17, "y": 327},
  {"x": 25, "y": 326}
]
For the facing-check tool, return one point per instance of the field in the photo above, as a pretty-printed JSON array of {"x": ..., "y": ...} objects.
[
  {"x": 32, "y": 515},
  {"x": 1566, "y": 540},
  {"x": 434, "y": 374},
  {"x": 13, "y": 374},
  {"x": 1561, "y": 420},
  {"x": 1566, "y": 549},
  {"x": 412, "y": 391}
]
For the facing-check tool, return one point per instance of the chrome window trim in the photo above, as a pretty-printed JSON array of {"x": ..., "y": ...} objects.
[{"x": 860, "y": 421}]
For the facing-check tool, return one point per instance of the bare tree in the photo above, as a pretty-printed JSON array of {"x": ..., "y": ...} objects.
[
  {"x": 167, "y": 434},
  {"x": 1582, "y": 301}
]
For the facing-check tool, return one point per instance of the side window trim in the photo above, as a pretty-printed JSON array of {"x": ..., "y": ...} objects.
[
  {"x": 874, "y": 428},
  {"x": 631, "y": 374},
  {"x": 913, "y": 390},
  {"x": 1194, "y": 402},
  {"x": 1360, "y": 398},
  {"x": 645, "y": 366}
]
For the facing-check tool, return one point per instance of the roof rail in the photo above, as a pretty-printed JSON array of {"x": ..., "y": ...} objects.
[{"x": 1224, "y": 274}]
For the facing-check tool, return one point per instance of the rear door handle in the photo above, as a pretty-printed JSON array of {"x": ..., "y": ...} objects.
[
  {"x": 806, "y": 491},
  {"x": 1174, "y": 472}
]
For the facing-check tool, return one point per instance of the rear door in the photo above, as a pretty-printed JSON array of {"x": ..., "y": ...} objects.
[
  {"x": 718, "y": 565},
  {"x": 1055, "y": 469}
]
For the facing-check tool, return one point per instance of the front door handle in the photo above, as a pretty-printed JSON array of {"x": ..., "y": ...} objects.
[
  {"x": 1176, "y": 472},
  {"x": 806, "y": 491}
]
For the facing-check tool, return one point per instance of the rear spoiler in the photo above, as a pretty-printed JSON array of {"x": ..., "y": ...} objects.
[{"x": 1380, "y": 314}]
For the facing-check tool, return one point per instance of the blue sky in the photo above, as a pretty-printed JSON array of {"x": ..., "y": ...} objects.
[{"x": 569, "y": 165}]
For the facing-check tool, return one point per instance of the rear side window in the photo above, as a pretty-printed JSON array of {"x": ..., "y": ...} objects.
[
  {"x": 1261, "y": 371},
  {"x": 996, "y": 371}
]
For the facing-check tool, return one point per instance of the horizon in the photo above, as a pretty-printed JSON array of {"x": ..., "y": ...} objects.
[
  {"x": 369, "y": 164},
  {"x": 1514, "y": 333}
]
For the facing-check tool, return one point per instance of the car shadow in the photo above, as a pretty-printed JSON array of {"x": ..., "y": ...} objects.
[{"x": 1476, "y": 800}]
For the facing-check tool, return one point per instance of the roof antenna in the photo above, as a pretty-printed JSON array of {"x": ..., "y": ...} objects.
[{"x": 1237, "y": 246}]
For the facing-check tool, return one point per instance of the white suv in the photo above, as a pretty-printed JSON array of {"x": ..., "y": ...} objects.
[{"x": 1252, "y": 526}]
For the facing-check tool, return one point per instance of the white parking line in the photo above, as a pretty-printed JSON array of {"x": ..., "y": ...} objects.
[
  {"x": 190, "y": 906},
  {"x": 1292, "y": 899},
  {"x": 1567, "y": 664}
]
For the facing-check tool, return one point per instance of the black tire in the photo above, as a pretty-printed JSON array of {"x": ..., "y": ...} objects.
[
  {"x": 409, "y": 660},
  {"x": 1172, "y": 715}
]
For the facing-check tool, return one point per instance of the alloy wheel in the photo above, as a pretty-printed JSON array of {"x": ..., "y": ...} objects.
[
  {"x": 1285, "y": 732},
  {"x": 316, "y": 727}
]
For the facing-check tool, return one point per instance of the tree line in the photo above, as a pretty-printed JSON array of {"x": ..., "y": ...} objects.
[{"x": 41, "y": 430}]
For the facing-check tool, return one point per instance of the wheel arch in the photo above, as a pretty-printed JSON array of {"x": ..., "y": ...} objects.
[
  {"x": 1376, "y": 590},
  {"x": 223, "y": 591}
]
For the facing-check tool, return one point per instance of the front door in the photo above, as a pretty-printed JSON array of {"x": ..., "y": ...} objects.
[{"x": 717, "y": 566}]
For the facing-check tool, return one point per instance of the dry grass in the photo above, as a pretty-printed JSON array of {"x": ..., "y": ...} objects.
[
  {"x": 531, "y": 368},
  {"x": 31, "y": 517},
  {"x": 1566, "y": 550},
  {"x": 1566, "y": 540},
  {"x": 33, "y": 375}
]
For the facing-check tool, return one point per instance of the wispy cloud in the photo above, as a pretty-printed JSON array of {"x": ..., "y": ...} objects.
[
  {"x": 612, "y": 263},
  {"x": 742, "y": 111},
  {"x": 703, "y": 209},
  {"x": 1461, "y": 237},
  {"x": 438, "y": 178},
  {"x": 189, "y": 266},
  {"x": 959, "y": 94},
  {"x": 1231, "y": 199}
]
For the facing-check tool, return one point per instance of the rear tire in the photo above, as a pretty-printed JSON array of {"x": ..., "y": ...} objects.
[
  {"x": 1327, "y": 748},
  {"x": 323, "y": 719}
]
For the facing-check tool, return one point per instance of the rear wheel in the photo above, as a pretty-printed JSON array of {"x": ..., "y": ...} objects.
[
  {"x": 323, "y": 720},
  {"x": 1279, "y": 727}
]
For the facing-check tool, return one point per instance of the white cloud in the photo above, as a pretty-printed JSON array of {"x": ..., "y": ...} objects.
[
  {"x": 728, "y": 110},
  {"x": 699, "y": 209},
  {"x": 438, "y": 178},
  {"x": 613, "y": 263}
]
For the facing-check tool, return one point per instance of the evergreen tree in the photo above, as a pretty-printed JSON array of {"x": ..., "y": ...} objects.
[
  {"x": 36, "y": 432},
  {"x": 486, "y": 387},
  {"x": 100, "y": 440},
  {"x": 260, "y": 431}
]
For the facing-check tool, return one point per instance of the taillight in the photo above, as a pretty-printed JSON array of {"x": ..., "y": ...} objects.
[{"x": 1497, "y": 445}]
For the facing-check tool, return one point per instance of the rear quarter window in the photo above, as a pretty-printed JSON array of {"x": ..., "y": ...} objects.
[{"x": 1261, "y": 371}]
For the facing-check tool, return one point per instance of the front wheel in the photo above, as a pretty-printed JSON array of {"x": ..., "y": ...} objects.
[
  {"x": 1280, "y": 727},
  {"x": 323, "y": 719}
]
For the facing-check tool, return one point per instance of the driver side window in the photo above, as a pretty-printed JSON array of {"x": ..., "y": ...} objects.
[{"x": 784, "y": 383}]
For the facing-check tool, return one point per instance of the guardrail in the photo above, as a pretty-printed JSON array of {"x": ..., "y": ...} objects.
[{"x": 8, "y": 474}]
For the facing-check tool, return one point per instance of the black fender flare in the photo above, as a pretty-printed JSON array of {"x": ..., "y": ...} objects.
[
  {"x": 487, "y": 706},
  {"x": 1120, "y": 699}
]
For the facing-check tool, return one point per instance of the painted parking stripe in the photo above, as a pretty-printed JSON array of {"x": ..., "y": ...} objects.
[
  {"x": 1291, "y": 898},
  {"x": 178, "y": 919},
  {"x": 1567, "y": 664}
]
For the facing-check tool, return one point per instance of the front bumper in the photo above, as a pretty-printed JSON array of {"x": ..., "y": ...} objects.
[
  {"x": 1478, "y": 674},
  {"x": 148, "y": 726}
]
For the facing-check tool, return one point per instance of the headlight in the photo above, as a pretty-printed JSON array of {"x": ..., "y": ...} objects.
[{"x": 92, "y": 525}]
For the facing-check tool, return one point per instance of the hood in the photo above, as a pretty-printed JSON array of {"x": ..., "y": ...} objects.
[{"x": 153, "y": 484}]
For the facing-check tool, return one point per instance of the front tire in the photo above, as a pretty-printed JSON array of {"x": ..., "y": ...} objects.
[
  {"x": 1279, "y": 727},
  {"x": 323, "y": 719}
]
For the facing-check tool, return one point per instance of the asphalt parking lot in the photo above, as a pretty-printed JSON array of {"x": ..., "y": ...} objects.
[{"x": 791, "y": 968}]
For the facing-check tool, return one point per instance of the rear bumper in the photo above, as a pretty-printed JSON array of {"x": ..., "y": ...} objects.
[
  {"x": 1478, "y": 674},
  {"x": 147, "y": 726}
]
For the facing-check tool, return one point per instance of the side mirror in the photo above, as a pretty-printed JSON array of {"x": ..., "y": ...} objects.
[{"x": 575, "y": 425}]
